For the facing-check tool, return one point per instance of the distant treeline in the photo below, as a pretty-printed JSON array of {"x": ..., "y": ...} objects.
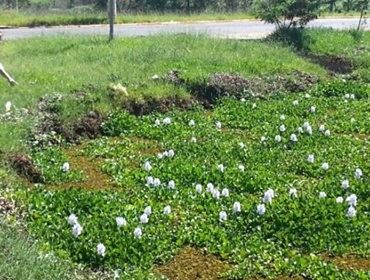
[{"x": 145, "y": 6}]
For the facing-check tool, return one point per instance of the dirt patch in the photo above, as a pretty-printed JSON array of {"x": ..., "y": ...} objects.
[
  {"x": 25, "y": 167},
  {"x": 95, "y": 178},
  {"x": 150, "y": 105},
  {"x": 216, "y": 86},
  {"x": 192, "y": 264},
  {"x": 332, "y": 63},
  {"x": 89, "y": 126},
  {"x": 349, "y": 262}
]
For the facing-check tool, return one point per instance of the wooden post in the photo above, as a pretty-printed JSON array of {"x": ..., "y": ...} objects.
[{"x": 112, "y": 10}]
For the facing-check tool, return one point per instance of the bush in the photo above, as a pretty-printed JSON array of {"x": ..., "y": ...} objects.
[{"x": 287, "y": 13}]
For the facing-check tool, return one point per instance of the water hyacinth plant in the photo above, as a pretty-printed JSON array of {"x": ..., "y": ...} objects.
[{"x": 257, "y": 189}]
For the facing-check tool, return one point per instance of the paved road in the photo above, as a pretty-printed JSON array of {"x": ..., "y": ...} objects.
[{"x": 229, "y": 29}]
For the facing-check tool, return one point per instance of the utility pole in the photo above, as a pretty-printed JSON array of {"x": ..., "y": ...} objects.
[{"x": 112, "y": 11}]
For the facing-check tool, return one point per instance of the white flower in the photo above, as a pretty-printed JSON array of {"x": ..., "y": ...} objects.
[
  {"x": 167, "y": 210},
  {"x": 261, "y": 209},
  {"x": 116, "y": 274},
  {"x": 325, "y": 166},
  {"x": 144, "y": 219},
  {"x": 65, "y": 167},
  {"x": 148, "y": 210},
  {"x": 160, "y": 155},
  {"x": 307, "y": 95},
  {"x": 216, "y": 193},
  {"x": 155, "y": 77},
  {"x": 295, "y": 102},
  {"x": 225, "y": 192},
  {"x": 313, "y": 109},
  {"x": 167, "y": 121},
  {"x": 327, "y": 133},
  {"x": 241, "y": 145},
  {"x": 191, "y": 123},
  {"x": 237, "y": 208},
  {"x": 346, "y": 96},
  {"x": 138, "y": 233},
  {"x": 210, "y": 187},
  {"x": 72, "y": 219},
  {"x": 157, "y": 122},
  {"x": 221, "y": 167},
  {"x": 322, "y": 128},
  {"x": 243, "y": 100},
  {"x": 147, "y": 166},
  {"x": 309, "y": 130},
  {"x": 306, "y": 124},
  {"x": 121, "y": 222},
  {"x": 156, "y": 182},
  {"x": 293, "y": 138},
  {"x": 76, "y": 229},
  {"x": 100, "y": 249},
  {"x": 282, "y": 117},
  {"x": 352, "y": 200},
  {"x": 311, "y": 159},
  {"x": 339, "y": 199},
  {"x": 353, "y": 96},
  {"x": 268, "y": 196},
  {"x": 345, "y": 184},
  {"x": 8, "y": 106},
  {"x": 171, "y": 184},
  {"x": 218, "y": 125},
  {"x": 278, "y": 138},
  {"x": 282, "y": 128},
  {"x": 351, "y": 212},
  {"x": 198, "y": 188},
  {"x": 193, "y": 140},
  {"x": 223, "y": 216},
  {"x": 171, "y": 153},
  {"x": 149, "y": 180},
  {"x": 322, "y": 195},
  {"x": 254, "y": 105},
  {"x": 300, "y": 130},
  {"x": 263, "y": 139},
  {"x": 241, "y": 167},
  {"x": 358, "y": 173},
  {"x": 293, "y": 192}
]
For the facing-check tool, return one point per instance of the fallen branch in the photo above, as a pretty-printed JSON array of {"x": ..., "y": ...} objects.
[{"x": 7, "y": 76}]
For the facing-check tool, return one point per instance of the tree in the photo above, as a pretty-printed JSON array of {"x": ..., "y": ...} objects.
[{"x": 287, "y": 13}]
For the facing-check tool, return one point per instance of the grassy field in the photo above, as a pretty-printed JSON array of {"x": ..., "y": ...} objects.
[
  {"x": 31, "y": 19},
  {"x": 48, "y": 65},
  {"x": 9, "y": 18},
  {"x": 240, "y": 195}
]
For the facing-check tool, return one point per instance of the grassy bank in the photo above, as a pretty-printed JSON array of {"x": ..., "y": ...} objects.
[
  {"x": 32, "y": 19},
  {"x": 65, "y": 64}
]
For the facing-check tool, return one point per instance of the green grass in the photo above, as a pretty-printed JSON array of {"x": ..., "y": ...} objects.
[
  {"x": 21, "y": 259},
  {"x": 11, "y": 18},
  {"x": 31, "y": 19},
  {"x": 351, "y": 44},
  {"x": 63, "y": 64}
]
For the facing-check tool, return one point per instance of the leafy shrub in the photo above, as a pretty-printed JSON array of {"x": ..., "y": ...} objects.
[{"x": 287, "y": 13}]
